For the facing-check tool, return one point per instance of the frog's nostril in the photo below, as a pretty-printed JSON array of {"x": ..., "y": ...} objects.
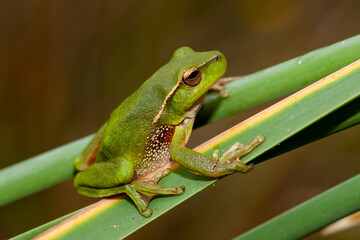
[{"x": 216, "y": 58}]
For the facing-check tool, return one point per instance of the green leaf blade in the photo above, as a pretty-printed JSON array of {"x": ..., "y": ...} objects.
[
  {"x": 311, "y": 215},
  {"x": 39, "y": 172}
]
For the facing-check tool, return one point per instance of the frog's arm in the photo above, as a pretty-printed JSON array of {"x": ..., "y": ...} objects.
[
  {"x": 214, "y": 166},
  {"x": 88, "y": 155}
]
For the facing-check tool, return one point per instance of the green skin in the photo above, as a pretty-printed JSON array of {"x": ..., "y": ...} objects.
[{"x": 150, "y": 129}]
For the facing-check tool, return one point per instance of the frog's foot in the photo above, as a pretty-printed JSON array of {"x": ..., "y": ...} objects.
[
  {"x": 219, "y": 86},
  {"x": 143, "y": 190},
  {"x": 230, "y": 160}
]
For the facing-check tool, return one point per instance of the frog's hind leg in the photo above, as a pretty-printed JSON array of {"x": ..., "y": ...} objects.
[
  {"x": 141, "y": 191},
  {"x": 99, "y": 179},
  {"x": 140, "y": 201},
  {"x": 150, "y": 188}
]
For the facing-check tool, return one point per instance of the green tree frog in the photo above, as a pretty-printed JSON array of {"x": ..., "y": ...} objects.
[{"x": 151, "y": 128}]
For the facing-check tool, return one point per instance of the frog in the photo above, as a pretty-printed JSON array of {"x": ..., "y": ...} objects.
[{"x": 151, "y": 128}]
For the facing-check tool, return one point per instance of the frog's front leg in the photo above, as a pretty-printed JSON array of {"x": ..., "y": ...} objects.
[
  {"x": 214, "y": 166},
  {"x": 219, "y": 85}
]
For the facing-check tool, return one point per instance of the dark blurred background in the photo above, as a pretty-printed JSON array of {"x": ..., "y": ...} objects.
[{"x": 65, "y": 65}]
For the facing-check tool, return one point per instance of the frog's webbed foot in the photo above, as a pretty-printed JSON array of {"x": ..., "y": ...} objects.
[
  {"x": 219, "y": 86},
  {"x": 230, "y": 160},
  {"x": 143, "y": 190}
]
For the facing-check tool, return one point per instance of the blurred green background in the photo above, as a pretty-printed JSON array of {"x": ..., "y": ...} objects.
[{"x": 65, "y": 65}]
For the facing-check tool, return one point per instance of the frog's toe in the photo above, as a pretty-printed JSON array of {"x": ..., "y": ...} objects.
[
  {"x": 260, "y": 139},
  {"x": 237, "y": 151},
  {"x": 239, "y": 166},
  {"x": 166, "y": 172},
  {"x": 147, "y": 213},
  {"x": 221, "y": 89},
  {"x": 180, "y": 190},
  {"x": 159, "y": 175}
]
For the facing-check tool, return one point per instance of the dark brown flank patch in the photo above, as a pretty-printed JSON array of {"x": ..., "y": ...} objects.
[
  {"x": 90, "y": 159},
  {"x": 157, "y": 150}
]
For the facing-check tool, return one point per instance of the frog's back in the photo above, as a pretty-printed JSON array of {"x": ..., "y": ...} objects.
[{"x": 131, "y": 133}]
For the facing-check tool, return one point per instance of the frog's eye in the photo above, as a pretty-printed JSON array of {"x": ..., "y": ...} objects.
[{"x": 192, "y": 77}]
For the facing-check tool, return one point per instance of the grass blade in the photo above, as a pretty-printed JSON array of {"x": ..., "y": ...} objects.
[
  {"x": 39, "y": 172},
  {"x": 311, "y": 215}
]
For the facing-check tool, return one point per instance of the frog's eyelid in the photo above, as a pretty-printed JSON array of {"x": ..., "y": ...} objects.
[
  {"x": 212, "y": 58},
  {"x": 156, "y": 118}
]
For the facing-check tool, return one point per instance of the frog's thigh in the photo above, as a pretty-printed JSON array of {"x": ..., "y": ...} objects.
[
  {"x": 107, "y": 174},
  {"x": 88, "y": 155}
]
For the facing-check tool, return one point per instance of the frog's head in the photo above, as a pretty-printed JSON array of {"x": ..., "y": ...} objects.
[
  {"x": 195, "y": 73},
  {"x": 186, "y": 78}
]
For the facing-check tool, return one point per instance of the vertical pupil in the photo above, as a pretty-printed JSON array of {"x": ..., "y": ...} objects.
[{"x": 193, "y": 74}]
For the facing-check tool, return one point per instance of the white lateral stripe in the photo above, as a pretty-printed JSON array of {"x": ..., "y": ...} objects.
[{"x": 165, "y": 101}]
